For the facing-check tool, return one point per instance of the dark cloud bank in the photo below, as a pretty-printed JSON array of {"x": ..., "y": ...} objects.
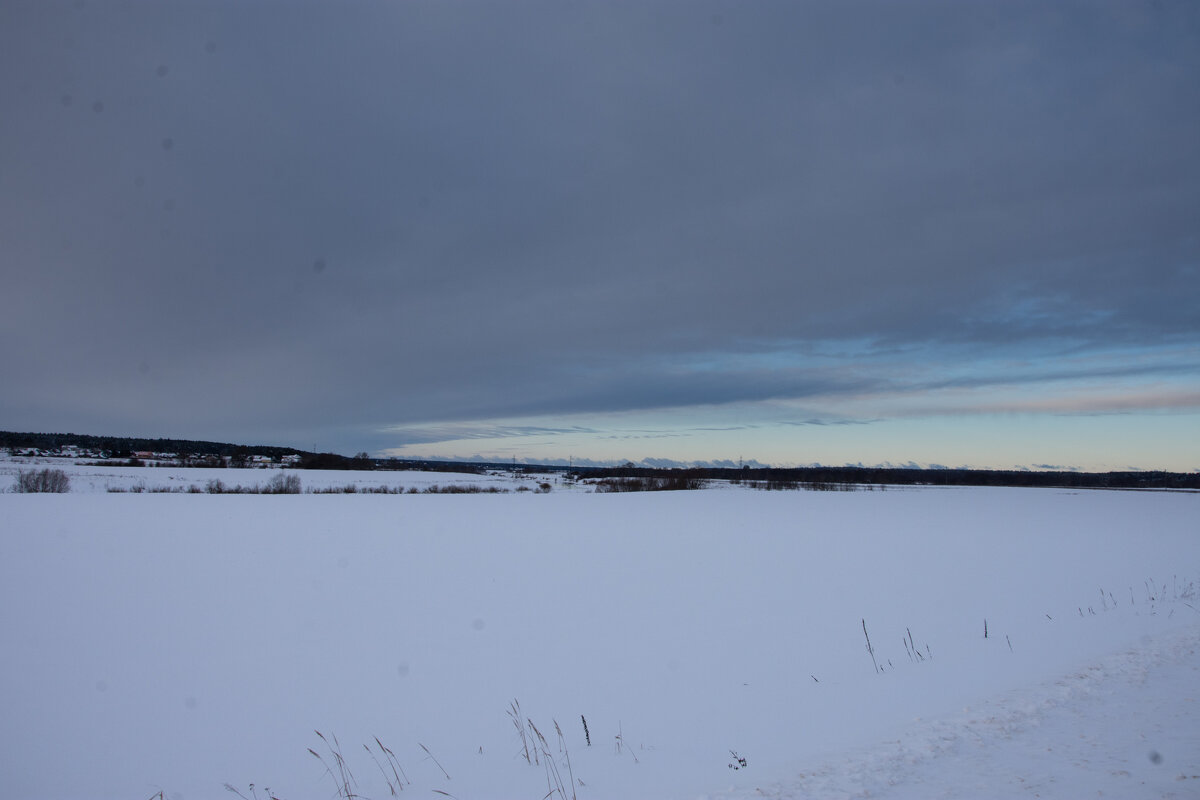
[{"x": 283, "y": 221}]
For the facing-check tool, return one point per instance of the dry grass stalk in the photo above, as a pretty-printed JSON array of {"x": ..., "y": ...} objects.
[
  {"x": 567, "y": 755},
  {"x": 393, "y": 765},
  {"x": 870, "y": 649},
  {"x": 439, "y": 765},
  {"x": 514, "y": 713},
  {"x": 347, "y": 786}
]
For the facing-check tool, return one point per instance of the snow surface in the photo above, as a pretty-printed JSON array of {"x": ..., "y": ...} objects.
[
  {"x": 181, "y": 642},
  {"x": 86, "y": 478}
]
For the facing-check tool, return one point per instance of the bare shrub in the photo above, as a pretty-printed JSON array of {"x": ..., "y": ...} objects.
[
  {"x": 348, "y": 488},
  {"x": 283, "y": 484},
  {"x": 42, "y": 480},
  {"x": 459, "y": 488}
]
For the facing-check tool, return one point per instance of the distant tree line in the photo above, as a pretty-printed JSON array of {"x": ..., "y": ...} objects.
[
  {"x": 125, "y": 446},
  {"x": 364, "y": 462},
  {"x": 844, "y": 476},
  {"x": 213, "y": 454}
]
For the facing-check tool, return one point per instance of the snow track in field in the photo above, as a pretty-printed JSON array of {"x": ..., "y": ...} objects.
[{"x": 1125, "y": 726}]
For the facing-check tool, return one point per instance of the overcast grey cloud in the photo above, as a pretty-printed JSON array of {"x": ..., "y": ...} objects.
[{"x": 313, "y": 222}]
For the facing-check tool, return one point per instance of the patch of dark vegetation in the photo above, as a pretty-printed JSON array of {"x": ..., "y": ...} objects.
[
  {"x": 290, "y": 484},
  {"x": 812, "y": 486},
  {"x": 649, "y": 483},
  {"x": 280, "y": 484},
  {"x": 456, "y": 488},
  {"x": 351, "y": 488}
]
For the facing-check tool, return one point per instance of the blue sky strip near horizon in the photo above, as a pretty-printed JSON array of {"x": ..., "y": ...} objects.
[{"x": 932, "y": 233}]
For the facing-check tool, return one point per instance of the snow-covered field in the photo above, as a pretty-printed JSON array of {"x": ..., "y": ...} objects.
[
  {"x": 181, "y": 642},
  {"x": 86, "y": 478}
]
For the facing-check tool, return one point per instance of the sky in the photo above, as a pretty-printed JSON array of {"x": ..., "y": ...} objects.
[{"x": 932, "y": 233}]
